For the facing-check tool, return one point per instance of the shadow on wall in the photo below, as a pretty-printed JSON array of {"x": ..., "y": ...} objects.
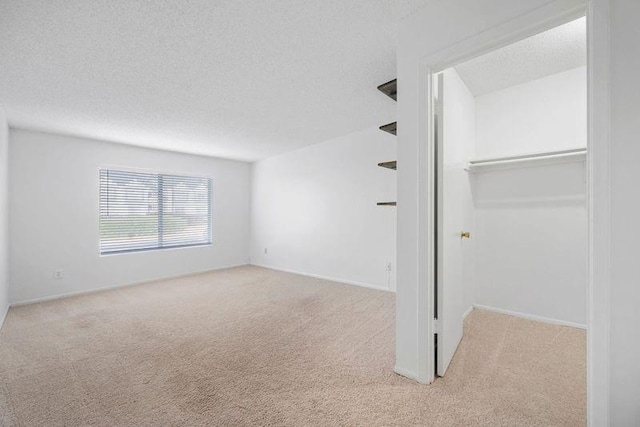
[{"x": 550, "y": 185}]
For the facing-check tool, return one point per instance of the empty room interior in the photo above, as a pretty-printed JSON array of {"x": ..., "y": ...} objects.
[{"x": 389, "y": 212}]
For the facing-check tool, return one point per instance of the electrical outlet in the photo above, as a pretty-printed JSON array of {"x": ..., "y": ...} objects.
[
  {"x": 57, "y": 274},
  {"x": 388, "y": 266},
  {"x": 266, "y": 251}
]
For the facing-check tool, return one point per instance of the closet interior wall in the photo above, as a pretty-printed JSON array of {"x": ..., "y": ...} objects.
[{"x": 529, "y": 221}]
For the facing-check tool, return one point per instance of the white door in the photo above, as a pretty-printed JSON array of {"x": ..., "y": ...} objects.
[{"x": 453, "y": 216}]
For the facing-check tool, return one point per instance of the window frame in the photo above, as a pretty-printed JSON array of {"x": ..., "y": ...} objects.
[{"x": 158, "y": 173}]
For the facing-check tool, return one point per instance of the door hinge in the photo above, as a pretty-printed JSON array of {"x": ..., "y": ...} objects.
[{"x": 436, "y": 326}]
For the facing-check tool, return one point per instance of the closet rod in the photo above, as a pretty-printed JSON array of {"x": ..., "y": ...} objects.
[{"x": 546, "y": 155}]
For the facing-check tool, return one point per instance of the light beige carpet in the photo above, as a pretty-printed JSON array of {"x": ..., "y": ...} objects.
[{"x": 250, "y": 346}]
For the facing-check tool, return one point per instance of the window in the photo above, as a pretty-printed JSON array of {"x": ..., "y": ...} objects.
[{"x": 143, "y": 211}]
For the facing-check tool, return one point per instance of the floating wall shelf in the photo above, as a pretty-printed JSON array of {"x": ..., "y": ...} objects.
[
  {"x": 390, "y": 89},
  {"x": 389, "y": 165},
  {"x": 391, "y": 128}
]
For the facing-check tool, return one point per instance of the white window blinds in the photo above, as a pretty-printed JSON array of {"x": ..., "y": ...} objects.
[{"x": 142, "y": 211}]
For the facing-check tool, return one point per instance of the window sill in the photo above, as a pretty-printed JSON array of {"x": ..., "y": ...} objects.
[{"x": 146, "y": 250}]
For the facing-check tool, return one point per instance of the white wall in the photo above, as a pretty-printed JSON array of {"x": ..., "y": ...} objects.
[
  {"x": 625, "y": 211},
  {"x": 53, "y": 202},
  {"x": 531, "y": 222},
  {"x": 314, "y": 210},
  {"x": 4, "y": 218},
  {"x": 546, "y": 114},
  {"x": 531, "y": 240}
]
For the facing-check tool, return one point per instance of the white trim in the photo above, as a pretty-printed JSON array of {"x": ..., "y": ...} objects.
[
  {"x": 122, "y": 285},
  {"x": 599, "y": 208},
  {"x": 426, "y": 327},
  {"x": 467, "y": 313},
  {"x": 327, "y": 278},
  {"x": 3, "y": 315},
  {"x": 405, "y": 373},
  {"x": 543, "y": 18},
  {"x": 531, "y": 316}
]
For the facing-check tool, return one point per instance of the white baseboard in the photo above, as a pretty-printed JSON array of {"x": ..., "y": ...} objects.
[
  {"x": 3, "y": 314},
  {"x": 531, "y": 316},
  {"x": 121, "y": 285},
  {"x": 467, "y": 313},
  {"x": 405, "y": 373},
  {"x": 328, "y": 278}
]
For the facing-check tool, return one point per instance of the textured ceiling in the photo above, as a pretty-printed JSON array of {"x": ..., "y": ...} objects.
[
  {"x": 229, "y": 78},
  {"x": 560, "y": 49}
]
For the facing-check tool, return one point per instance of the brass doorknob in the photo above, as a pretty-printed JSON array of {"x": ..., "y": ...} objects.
[{"x": 465, "y": 235}]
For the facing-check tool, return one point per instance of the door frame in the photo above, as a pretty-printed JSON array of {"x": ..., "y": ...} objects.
[{"x": 598, "y": 186}]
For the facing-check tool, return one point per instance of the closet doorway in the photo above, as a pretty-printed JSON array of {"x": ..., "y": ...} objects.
[{"x": 511, "y": 231}]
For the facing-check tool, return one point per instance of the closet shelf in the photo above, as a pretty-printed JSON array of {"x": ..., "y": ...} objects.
[
  {"x": 527, "y": 160},
  {"x": 391, "y": 128},
  {"x": 389, "y": 165},
  {"x": 386, "y": 203},
  {"x": 390, "y": 89}
]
